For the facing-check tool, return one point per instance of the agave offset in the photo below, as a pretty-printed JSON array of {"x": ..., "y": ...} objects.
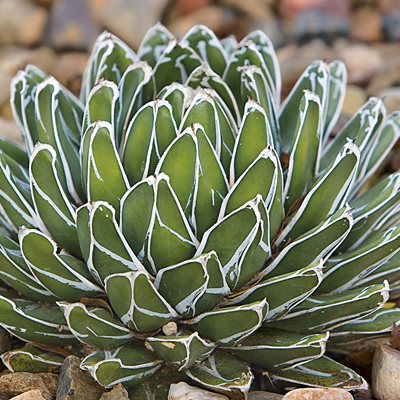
[{"x": 186, "y": 226}]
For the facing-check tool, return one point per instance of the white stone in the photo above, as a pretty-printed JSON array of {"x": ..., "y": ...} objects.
[{"x": 183, "y": 391}]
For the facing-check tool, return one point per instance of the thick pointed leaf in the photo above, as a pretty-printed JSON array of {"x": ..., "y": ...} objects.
[
  {"x": 193, "y": 286},
  {"x": 322, "y": 372},
  {"x": 320, "y": 313},
  {"x": 148, "y": 135},
  {"x": 109, "y": 60},
  {"x": 104, "y": 177},
  {"x": 136, "y": 301},
  {"x": 182, "y": 350},
  {"x": 14, "y": 151},
  {"x": 204, "y": 42},
  {"x": 155, "y": 41},
  {"x": 346, "y": 270},
  {"x": 229, "y": 325},
  {"x": 95, "y": 326},
  {"x": 131, "y": 96},
  {"x": 275, "y": 350},
  {"x": 283, "y": 292},
  {"x": 241, "y": 241},
  {"x": 104, "y": 248},
  {"x": 33, "y": 322},
  {"x": 328, "y": 194},
  {"x": 304, "y": 158},
  {"x": 175, "y": 64},
  {"x": 65, "y": 276},
  {"x": 51, "y": 202},
  {"x": 319, "y": 243},
  {"x": 154, "y": 224},
  {"x": 223, "y": 373},
  {"x": 31, "y": 359},
  {"x": 129, "y": 365},
  {"x": 315, "y": 79}
]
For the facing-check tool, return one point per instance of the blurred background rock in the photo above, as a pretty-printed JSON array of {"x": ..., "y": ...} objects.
[{"x": 56, "y": 35}]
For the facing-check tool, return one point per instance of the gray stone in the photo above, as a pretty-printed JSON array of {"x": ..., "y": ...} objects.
[
  {"x": 75, "y": 384},
  {"x": 183, "y": 391},
  {"x": 318, "y": 394},
  {"x": 116, "y": 393},
  {"x": 391, "y": 26}
]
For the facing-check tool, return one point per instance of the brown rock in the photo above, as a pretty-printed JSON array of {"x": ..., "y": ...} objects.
[
  {"x": 216, "y": 18},
  {"x": 128, "y": 19},
  {"x": 366, "y": 24},
  {"x": 389, "y": 5},
  {"x": 71, "y": 26},
  {"x": 355, "y": 97},
  {"x": 253, "y": 8},
  {"x": 259, "y": 395},
  {"x": 391, "y": 98},
  {"x": 75, "y": 384},
  {"x": 184, "y": 7},
  {"x": 30, "y": 395},
  {"x": 318, "y": 394},
  {"x": 183, "y": 391},
  {"x": 20, "y": 382},
  {"x": 386, "y": 373},
  {"x": 21, "y": 22},
  {"x": 50, "y": 380},
  {"x": 116, "y": 393}
]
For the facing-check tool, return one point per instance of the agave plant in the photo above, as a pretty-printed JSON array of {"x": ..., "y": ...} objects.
[{"x": 185, "y": 225}]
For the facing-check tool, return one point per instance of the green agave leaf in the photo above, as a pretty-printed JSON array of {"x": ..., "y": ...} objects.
[
  {"x": 104, "y": 248},
  {"x": 320, "y": 313},
  {"x": 266, "y": 49},
  {"x": 381, "y": 144},
  {"x": 153, "y": 223},
  {"x": 337, "y": 79},
  {"x": 109, "y": 59},
  {"x": 175, "y": 64},
  {"x": 322, "y": 372},
  {"x": 328, "y": 194},
  {"x": 16, "y": 274},
  {"x": 206, "y": 111},
  {"x": 137, "y": 302},
  {"x": 247, "y": 53},
  {"x": 253, "y": 137},
  {"x": 374, "y": 324},
  {"x": 154, "y": 43},
  {"x": 51, "y": 202},
  {"x": 261, "y": 177},
  {"x": 131, "y": 96},
  {"x": 223, "y": 373},
  {"x": 316, "y": 79},
  {"x": 316, "y": 244},
  {"x": 56, "y": 124},
  {"x": 34, "y": 322},
  {"x": 95, "y": 326},
  {"x": 178, "y": 96},
  {"x": 204, "y": 77},
  {"x": 14, "y": 151},
  {"x": 371, "y": 208},
  {"x": 283, "y": 292},
  {"x": 241, "y": 241},
  {"x": 346, "y": 270},
  {"x": 17, "y": 209},
  {"x": 229, "y": 325},
  {"x": 254, "y": 86},
  {"x": 65, "y": 276},
  {"x": 101, "y": 104},
  {"x": 304, "y": 158},
  {"x": 274, "y": 349},
  {"x": 194, "y": 285},
  {"x": 103, "y": 175},
  {"x": 196, "y": 176},
  {"x": 31, "y": 359},
  {"x": 148, "y": 135},
  {"x": 359, "y": 129},
  {"x": 204, "y": 42},
  {"x": 182, "y": 350},
  {"x": 23, "y": 90},
  {"x": 129, "y": 365}
]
